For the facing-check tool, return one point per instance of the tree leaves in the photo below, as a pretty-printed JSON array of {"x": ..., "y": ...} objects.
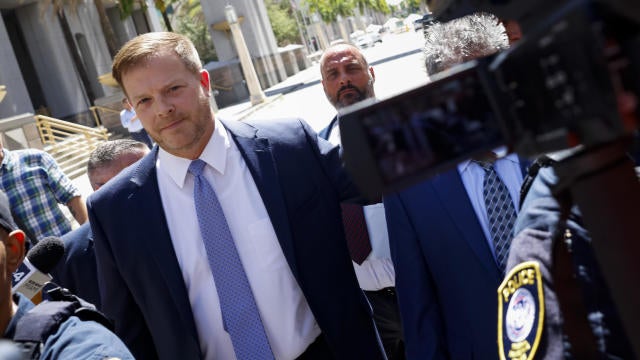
[{"x": 329, "y": 10}]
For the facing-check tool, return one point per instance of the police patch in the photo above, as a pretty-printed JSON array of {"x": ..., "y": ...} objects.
[{"x": 520, "y": 312}]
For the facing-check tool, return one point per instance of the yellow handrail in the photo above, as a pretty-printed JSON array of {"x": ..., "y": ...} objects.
[
  {"x": 95, "y": 112},
  {"x": 48, "y": 126}
]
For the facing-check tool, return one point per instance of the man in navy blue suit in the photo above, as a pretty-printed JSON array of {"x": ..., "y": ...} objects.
[
  {"x": 442, "y": 244},
  {"x": 347, "y": 79},
  {"x": 273, "y": 191},
  {"x": 77, "y": 270}
]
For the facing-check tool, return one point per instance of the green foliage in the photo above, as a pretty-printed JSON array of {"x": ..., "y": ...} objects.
[
  {"x": 413, "y": 6},
  {"x": 190, "y": 20},
  {"x": 330, "y": 9},
  {"x": 283, "y": 22},
  {"x": 128, "y": 6},
  {"x": 198, "y": 33},
  {"x": 382, "y": 6}
]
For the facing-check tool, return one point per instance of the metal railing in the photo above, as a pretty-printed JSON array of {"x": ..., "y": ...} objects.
[
  {"x": 70, "y": 144},
  {"x": 96, "y": 110}
]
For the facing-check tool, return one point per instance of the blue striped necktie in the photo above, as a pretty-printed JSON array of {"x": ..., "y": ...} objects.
[{"x": 239, "y": 311}]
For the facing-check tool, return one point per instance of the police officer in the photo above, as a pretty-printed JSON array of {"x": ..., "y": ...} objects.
[
  {"x": 552, "y": 258},
  {"x": 65, "y": 336}
]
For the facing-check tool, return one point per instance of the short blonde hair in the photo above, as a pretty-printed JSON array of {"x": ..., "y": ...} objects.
[{"x": 146, "y": 46}]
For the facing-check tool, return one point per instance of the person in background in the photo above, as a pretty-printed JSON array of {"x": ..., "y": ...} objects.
[
  {"x": 130, "y": 121},
  {"x": 35, "y": 186},
  {"x": 74, "y": 338},
  {"x": 347, "y": 79},
  {"x": 77, "y": 270},
  {"x": 579, "y": 318},
  {"x": 584, "y": 289},
  {"x": 450, "y": 235},
  {"x": 225, "y": 241}
]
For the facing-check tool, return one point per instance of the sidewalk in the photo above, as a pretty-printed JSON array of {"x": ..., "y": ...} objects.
[{"x": 305, "y": 77}]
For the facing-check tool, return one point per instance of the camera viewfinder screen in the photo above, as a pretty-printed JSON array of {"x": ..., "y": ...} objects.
[{"x": 429, "y": 127}]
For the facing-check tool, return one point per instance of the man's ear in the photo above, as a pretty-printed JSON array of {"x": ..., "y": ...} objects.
[
  {"x": 373, "y": 74},
  {"x": 205, "y": 82},
  {"x": 15, "y": 249}
]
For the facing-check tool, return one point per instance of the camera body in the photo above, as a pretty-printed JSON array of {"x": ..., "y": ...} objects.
[{"x": 558, "y": 87}]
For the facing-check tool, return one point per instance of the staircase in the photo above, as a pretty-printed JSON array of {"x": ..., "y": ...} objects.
[{"x": 70, "y": 144}]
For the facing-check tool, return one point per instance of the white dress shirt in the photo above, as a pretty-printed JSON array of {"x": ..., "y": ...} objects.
[
  {"x": 126, "y": 118},
  {"x": 377, "y": 271},
  {"x": 509, "y": 170},
  {"x": 286, "y": 316}
]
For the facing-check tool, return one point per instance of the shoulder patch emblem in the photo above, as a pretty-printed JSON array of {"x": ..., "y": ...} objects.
[{"x": 520, "y": 312}]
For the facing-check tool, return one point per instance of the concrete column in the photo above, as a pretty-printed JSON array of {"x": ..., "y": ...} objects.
[
  {"x": 153, "y": 16},
  {"x": 258, "y": 34},
  {"x": 322, "y": 37},
  {"x": 343, "y": 30},
  {"x": 17, "y": 99},
  {"x": 255, "y": 91}
]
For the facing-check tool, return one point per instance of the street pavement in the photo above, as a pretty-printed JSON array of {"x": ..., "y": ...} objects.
[{"x": 398, "y": 64}]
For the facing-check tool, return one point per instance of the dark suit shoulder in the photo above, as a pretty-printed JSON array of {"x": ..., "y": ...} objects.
[
  {"x": 283, "y": 130},
  {"x": 126, "y": 181},
  {"x": 78, "y": 270},
  {"x": 77, "y": 240}
]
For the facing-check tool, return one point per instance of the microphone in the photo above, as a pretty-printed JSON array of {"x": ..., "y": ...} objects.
[
  {"x": 10, "y": 350},
  {"x": 33, "y": 273}
]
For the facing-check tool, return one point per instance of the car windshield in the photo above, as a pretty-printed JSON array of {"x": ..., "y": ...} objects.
[{"x": 356, "y": 34}]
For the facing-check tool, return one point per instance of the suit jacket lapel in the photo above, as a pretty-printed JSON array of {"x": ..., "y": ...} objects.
[
  {"x": 158, "y": 239},
  {"x": 259, "y": 157},
  {"x": 324, "y": 133},
  {"x": 454, "y": 198},
  {"x": 524, "y": 165}
]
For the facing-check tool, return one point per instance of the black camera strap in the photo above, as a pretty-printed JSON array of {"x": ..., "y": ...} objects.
[{"x": 575, "y": 324}]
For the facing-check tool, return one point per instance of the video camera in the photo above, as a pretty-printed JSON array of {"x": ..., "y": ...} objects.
[
  {"x": 572, "y": 82},
  {"x": 558, "y": 87}
]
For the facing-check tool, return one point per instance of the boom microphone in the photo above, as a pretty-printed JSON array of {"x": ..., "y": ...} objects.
[{"x": 33, "y": 273}]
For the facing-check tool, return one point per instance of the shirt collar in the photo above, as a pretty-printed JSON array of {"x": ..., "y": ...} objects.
[
  {"x": 214, "y": 154},
  {"x": 501, "y": 153}
]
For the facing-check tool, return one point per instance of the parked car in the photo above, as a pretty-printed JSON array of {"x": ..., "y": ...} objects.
[
  {"x": 365, "y": 40},
  {"x": 395, "y": 25},
  {"x": 410, "y": 20},
  {"x": 373, "y": 28},
  {"x": 424, "y": 22}
]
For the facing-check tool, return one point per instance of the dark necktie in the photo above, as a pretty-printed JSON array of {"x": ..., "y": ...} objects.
[
  {"x": 355, "y": 230},
  {"x": 500, "y": 212},
  {"x": 239, "y": 311}
]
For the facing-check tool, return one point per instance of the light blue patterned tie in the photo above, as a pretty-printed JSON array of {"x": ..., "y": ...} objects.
[
  {"x": 500, "y": 211},
  {"x": 239, "y": 311}
]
